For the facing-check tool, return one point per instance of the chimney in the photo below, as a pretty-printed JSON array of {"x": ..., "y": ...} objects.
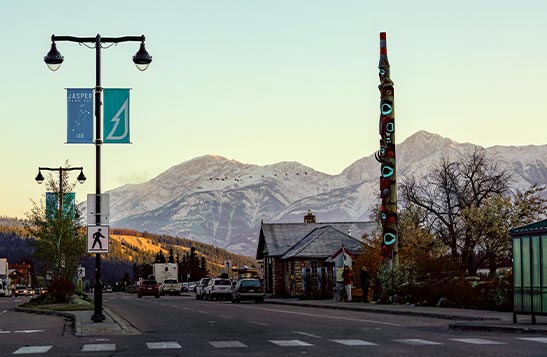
[{"x": 309, "y": 218}]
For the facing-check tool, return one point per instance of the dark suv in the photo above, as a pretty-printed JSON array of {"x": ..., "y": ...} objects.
[
  {"x": 248, "y": 289},
  {"x": 149, "y": 287}
]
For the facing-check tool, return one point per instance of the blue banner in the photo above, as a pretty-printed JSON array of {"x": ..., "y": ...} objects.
[
  {"x": 79, "y": 115},
  {"x": 52, "y": 204},
  {"x": 116, "y": 116}
]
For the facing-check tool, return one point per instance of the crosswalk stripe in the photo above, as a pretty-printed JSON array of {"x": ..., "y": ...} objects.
[
  {"x": 32, "y": 349},
  {"x": 534, "y": 339},
  {"x": 290, "y": 343},
  {"x": 351, "y": 342},
  {"x": 478, "y": 341},
  {"x": 99, "y": 347},
  {"x": 417, "y": 342},
  {"x": 226, "y": 344},
  {"x": 162, "y": 345}
]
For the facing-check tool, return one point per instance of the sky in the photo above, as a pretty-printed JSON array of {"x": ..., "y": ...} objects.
[{"x": 263, "y": 82}]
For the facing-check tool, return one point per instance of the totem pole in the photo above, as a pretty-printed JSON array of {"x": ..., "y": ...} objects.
[{"x": 386, "y": 157}]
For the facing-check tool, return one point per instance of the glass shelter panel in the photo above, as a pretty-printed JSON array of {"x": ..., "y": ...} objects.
[
  {"x": 544, "y": 273},
  {"x": 517, "y": 274},
  {"x": 526, "y": 277},
  {"x": 536, "y": 273}
]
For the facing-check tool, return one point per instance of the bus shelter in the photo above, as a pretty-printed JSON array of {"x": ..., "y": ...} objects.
[{"x": 530, "y": 270}]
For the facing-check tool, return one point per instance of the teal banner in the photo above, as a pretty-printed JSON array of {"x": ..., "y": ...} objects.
[
  {"x": 52, "y": 204},
  {"x": 116, "y": 116}
]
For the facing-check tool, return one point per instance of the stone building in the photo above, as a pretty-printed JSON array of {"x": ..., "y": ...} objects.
[{"x": 299, "y": 258}]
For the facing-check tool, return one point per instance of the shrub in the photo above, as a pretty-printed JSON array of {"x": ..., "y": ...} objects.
[{"x": 61, "y": 290}]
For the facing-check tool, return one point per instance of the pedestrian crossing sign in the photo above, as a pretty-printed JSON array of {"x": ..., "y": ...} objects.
[{"x": 97, "y": 239}]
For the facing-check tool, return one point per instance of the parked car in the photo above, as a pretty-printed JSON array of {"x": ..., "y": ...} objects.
[
  {"x": 248, "y": 289},
  {"x": 192, "y": 286},
  {"x": 218, "y": 289},
  {"x": 170, "y": 286},
  {"x": 132, "y": 288},
  {"x": 108, "y": 289},
  {"x": 21, "y": 290},
  {"x": 149, "y": 287},
  {"x": 200, "y": 288},
  {"x": 41, "y": 291}
]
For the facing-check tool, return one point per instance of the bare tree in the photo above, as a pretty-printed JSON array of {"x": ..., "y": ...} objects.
[{"x": 452, "y": 188}]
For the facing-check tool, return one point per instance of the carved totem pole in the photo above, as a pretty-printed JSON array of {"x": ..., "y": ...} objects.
[{"x": 386, "y": 157}]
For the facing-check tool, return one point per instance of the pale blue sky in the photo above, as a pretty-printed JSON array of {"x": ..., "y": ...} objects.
[{"x": 267, "y": 81}]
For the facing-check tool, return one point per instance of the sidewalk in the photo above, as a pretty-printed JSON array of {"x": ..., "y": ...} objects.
[
  {"x": 112, "y": 324},
  {"x": 464, "y": 319}
]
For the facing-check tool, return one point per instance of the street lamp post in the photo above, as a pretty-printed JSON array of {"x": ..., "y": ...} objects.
[
  {"x": 40, "y": 178},
  {"x": 54, "y": 59}
]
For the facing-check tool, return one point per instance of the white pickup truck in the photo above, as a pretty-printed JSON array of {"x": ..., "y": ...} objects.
[{"x": 170, "y": 286}]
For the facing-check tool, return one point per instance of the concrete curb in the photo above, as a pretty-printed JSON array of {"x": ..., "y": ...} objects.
[
  {"x": 393, "y": 312},
  {"x": 125, "y": 325},
  {"x": 495, "y": 328}
]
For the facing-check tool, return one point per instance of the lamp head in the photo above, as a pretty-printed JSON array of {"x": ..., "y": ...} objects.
[
  {"x": 142, "y": 59},
  {"x": 81, "y": 177},
  {"x": 53, "y": 58},
  {"x": 39, "y": 178}
]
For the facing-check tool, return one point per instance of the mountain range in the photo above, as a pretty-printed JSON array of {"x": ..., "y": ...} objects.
[{"x": 222, "y": 202}]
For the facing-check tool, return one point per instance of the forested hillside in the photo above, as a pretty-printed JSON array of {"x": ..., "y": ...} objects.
[{"x": 128, "y": 248}]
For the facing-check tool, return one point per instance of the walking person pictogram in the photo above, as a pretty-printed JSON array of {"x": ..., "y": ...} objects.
[{"x": 97, "y": 239}]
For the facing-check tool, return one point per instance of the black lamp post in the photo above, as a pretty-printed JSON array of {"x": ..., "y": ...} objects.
[
  {"x": 54, "y": 59},
  {"x": 40, "y": 178}
]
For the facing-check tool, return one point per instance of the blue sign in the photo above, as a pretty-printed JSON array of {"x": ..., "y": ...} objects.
[
  {"x": 52, "y": 204},
  {"x": 116, "y": 116},
  {"x": 79, "y": 115}
]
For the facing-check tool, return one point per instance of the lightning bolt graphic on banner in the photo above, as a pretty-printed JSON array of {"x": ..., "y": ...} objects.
[{"x": 116, "y": 120}]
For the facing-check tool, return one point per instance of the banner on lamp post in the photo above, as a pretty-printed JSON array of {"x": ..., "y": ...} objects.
[
  {"x": 79, "y": 103},
  {"x": 52, "y": 204},
  {"x": 116, "y": 116}
]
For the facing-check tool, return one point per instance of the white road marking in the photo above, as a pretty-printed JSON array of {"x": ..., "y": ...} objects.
[
  {"x": 162, "y": 345},
  {"x": 417, "y": 342},
  {"x": 32, "y": 349},
  {"x": 478, "y": 341},
  {"x": 4, "y": 332},
  {"x": 99, "y": 347},
  {"x": 202, "y": 312},
  {"x": 259, "y": 323},
  {"x": 316, "y": 315},
  {"x": 307, "y": 334},
  {"x": 226, "y": 344},
  {"x": 101, "y": 339},
  {"x": 533, "y": 339},
  {"x": 225, "y": 317},
  {"x": 355, "y": 342},
  {"x": 27, "y": 331},
  {"x": 187, "y": 308},
  {"x": 290, "y": 343}
]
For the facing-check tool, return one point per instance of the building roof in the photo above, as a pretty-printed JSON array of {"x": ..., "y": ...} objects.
[
  {"x": 532, "y": 228},
  {"x": 322, "y": 242},
  {"x": 277, "y": 238}
]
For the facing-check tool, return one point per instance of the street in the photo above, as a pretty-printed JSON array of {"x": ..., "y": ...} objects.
[{"x": 175, "y": 325}]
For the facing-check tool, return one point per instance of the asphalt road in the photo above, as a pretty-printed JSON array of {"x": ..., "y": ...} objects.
[{"x": 184, "y": 326}]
